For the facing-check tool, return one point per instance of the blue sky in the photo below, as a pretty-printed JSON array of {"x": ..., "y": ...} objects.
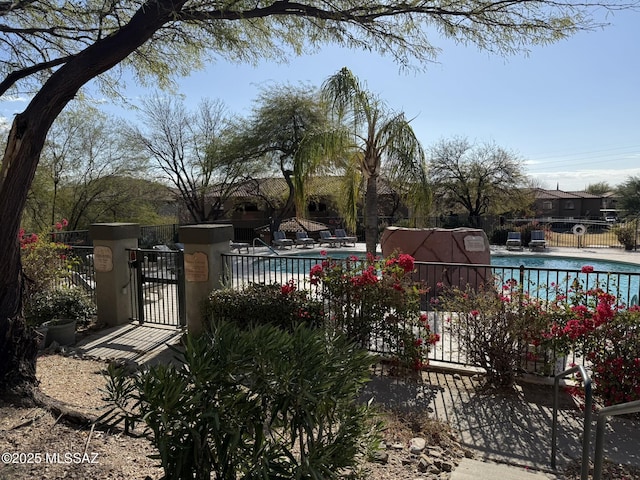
[{"x": 571, "y": 110}]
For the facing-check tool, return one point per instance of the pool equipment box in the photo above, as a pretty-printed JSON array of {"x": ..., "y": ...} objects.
[{"x": 442, "y": 245}]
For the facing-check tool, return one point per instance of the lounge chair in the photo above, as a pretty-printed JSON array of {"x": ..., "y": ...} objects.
[
  {"x": 326, "y": 237},
  {"x": 280, "y": 240},
  {"x": 239, "y": 246},
  {"x": 344, "y": 238},
  {"x": 537, "y": 240},
  {"x": 303, "y": 239},
  {"x": 514, "y": 241}
]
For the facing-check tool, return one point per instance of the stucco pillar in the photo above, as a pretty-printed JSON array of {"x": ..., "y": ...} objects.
[
  {"x": 203, "y": 246},
  {"x": 111, "y": 242}
]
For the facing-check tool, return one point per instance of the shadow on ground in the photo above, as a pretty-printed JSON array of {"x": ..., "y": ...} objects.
[{"x": 514, "y": 427}]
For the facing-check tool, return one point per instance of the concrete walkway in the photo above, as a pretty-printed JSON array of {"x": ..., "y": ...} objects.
[{"x": 140, "y": 344}]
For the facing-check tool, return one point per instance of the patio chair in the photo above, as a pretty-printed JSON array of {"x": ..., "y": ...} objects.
[
  {"x": 280, "y": 240},
  {"x": 537, "y": 240},
  {"x": 514, "y": 241},
  {"x": 239, "y": 246},
  {"x": 344, "y": 238},
  {"x": 326, "y": 237},
  {"x": 303, "y": 239}
]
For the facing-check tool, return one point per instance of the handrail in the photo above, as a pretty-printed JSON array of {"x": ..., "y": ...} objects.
[
  {"x": 620, "y": 409},
  {"x": 264, "y": 243},
  {"x": 586, "y": 431}
]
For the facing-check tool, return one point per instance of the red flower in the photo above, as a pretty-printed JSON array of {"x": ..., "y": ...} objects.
[
  {"x": 288, "y": 287},
  {"x": 586, "y": 269},
  {"x": 316, "y": 271},
  {"x": 406, "y": 262}
]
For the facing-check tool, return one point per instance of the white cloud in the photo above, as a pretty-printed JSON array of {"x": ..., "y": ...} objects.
[{"x": 579, "y": 180}]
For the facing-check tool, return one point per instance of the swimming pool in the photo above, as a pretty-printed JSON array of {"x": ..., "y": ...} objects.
[
  {"x": 545, "y": 275},
  {"x": 562, "y": 263},
  {"x": 542, "y": 276}
]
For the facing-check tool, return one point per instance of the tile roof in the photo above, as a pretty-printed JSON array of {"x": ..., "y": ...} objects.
[{"x": 295, "y": 224}]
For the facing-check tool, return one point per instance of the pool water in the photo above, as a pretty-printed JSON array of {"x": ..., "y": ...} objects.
[
  {"x": 562, "y": 263},
  {"x": 541, "y": 274}
]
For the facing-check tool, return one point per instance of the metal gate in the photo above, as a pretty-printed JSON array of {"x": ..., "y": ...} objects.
[{"x": 157, "y": 279}]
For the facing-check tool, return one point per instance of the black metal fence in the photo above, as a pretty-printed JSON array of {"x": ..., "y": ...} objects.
[
  {"x": 543, "y": 284},
  {"x": 82, "y": 273}
]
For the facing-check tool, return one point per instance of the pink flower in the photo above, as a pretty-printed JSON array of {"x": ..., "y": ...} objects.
[
  {"x": 474, "y": 313},
  {"x": 586, "y": 269},
  {"x": 323, "y": 253},
  {"x": 65, "y": 222}
]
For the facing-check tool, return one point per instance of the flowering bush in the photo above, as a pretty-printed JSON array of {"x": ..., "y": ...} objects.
[
  {"x": 493, "y": 328},
  {"x": 377, "y": 299},
  {"x": 497, "y": 328},
  {"x": 44, "y": 262},
  {"x": 615, "y": 357}
]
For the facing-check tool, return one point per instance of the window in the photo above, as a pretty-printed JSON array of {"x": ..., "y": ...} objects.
[
  {"x": 568, "y": 205},
  {"x": 547, "y": 205}
]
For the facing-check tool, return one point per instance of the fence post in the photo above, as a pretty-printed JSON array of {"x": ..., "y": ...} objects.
[
  {"x": 111, "y": 263},
  {"x": 203, "y": 269}
]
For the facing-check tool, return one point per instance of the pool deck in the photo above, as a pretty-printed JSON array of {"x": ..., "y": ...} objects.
[{"x": 594, "y": 253}]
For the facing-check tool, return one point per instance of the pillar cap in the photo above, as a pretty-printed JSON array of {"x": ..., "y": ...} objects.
[
  {"x": 205, "y": 234},
  {"x": 114, "y": 231}
]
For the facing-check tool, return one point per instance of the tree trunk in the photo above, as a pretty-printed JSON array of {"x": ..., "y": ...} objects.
[
  {"x": 371, "y": 214},
  {"x": 26, "y": 138}
]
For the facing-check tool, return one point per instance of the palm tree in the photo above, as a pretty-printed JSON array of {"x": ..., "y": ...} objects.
[{"x": 383, "y": 143}]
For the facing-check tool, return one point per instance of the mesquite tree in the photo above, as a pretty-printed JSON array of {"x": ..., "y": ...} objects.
[{"x": 55, "y": 47}]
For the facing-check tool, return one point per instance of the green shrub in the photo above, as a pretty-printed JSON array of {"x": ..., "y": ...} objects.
[
  {"x": 253, "y": 403},
  {"x": 281, "y": 305},
  {"x": 626, "y": 233},
  {"x": 499, "y": 236},
  {"x": 58, "y": 303}
]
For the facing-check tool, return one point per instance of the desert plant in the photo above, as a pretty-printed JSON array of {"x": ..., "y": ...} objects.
[
  {"x": 627, "y": 233},
  {"x": 253, "y": 403}
]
